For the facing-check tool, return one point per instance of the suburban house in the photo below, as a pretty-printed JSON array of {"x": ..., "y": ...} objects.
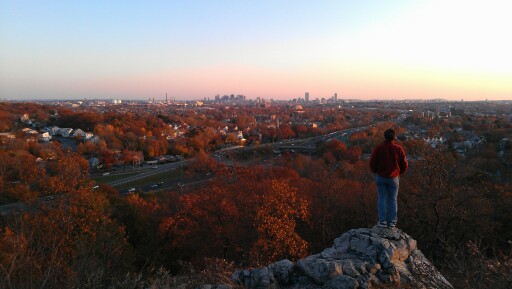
[
  {"x": 29, "y": 131},
  {"x": 88, "y": 136},
  {"x": 166, "y": 159},
  {"x": 25, "y": 118},
  {"x": 45, "y": 137},
  {"x": 240, "y": 138},
  {"x": 93, "y": 138},
  {"x": 65, "y": 132},
  {"x": 54, "y": 130},
  {"x": 78, "y": 133},
  {"x": 84, "y": 136},
  {"x": 6, "y": 136}
]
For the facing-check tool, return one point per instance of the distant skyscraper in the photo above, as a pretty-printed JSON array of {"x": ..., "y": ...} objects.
[
  {"x": 335, "y": 97},
  {"x": 306, "y": 96},
  {"x": 166, "y": 102}
]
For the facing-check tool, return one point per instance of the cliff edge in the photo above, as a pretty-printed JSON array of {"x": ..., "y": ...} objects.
[{"x": 360, "y": 258}]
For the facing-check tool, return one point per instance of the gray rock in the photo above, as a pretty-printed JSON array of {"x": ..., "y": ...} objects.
[
  {"x": 240, "y": 276},
  {"x": 360, "y": 258},
  {"x": 385, "y": 260},
  {"x": 261, "y": 278},
  {"x": 418, "y": 265},
  {"x": 342, "y": 282},
  {"x": 282, "y": 271},
  {"x": 219, "y": 286},
  {"x": 353, "y": 268},
  {"x": 320, "y": 270}
]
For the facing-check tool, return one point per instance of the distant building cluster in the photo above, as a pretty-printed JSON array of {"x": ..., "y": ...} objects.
[
  {"x": 437, "y": 113},
  {"x": 230, "y": 98},
  {"x": 323, "y": 100}
]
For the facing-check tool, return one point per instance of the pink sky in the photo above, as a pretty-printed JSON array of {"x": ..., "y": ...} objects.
[{"x": 359, "y": 49}]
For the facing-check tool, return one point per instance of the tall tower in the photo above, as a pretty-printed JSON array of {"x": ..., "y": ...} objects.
[
  {"x": 335, "y": 97},
  {"x": 166, "y": 102},
  {"x": 306, "y": 96}
]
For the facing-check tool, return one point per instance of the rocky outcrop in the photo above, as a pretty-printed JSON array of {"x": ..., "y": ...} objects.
[{"x": 360, "y": 258}]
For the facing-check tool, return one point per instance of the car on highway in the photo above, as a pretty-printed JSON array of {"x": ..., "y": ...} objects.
[
  {"x": 131, "y": 190},
  {"x": 106, "y": 174}
]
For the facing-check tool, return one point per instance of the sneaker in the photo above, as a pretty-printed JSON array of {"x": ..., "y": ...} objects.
[
  {"x": 392, "y": 225},
  {"x": 383, "y": 224}
]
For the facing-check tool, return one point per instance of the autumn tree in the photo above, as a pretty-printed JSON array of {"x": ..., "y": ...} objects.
[
  {"x": 249, "y": 216},
  {"x": 140, "y": 216},
  {"x": 208, "y": 215},
  {"x": 441, "y": 195},
  {"x": 70, "y": 242},
  {"x": 279, "y": 208}
]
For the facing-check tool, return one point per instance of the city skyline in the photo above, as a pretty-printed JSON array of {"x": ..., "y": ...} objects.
[{"x": 273, "y": 49}]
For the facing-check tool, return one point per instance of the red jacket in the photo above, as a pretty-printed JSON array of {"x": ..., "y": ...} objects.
[{"x": 388, "y": 160}]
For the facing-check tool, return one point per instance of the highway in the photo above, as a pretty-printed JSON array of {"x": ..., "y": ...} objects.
[
  {"x": 158, "y": 169},
  {"x": 308, "y": 143},
  {"x": 26, "y": 206}
]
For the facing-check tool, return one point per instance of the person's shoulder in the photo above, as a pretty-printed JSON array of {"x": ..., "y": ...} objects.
[{"x": 398, "y": 146}]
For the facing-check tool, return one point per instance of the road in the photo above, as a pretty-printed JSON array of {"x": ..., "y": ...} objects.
[
  {"x": 158, "y": 169},
  {"x": 300, "y": 144},
  {"x": 26, "y": 206},
  {"x": 180, "y": 183},
  {"x": 310, "y": 143}
]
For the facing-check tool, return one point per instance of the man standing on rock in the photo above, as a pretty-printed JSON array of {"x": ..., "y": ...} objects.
[{"x": 388, "y": 162}]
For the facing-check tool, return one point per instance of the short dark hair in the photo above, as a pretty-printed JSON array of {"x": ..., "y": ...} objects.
[{"x": 389, "y": 134}]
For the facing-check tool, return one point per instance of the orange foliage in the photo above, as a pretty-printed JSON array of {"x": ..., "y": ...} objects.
[
  {"x": 278, "y": 209},
  {"x": 62, "y": 244}
]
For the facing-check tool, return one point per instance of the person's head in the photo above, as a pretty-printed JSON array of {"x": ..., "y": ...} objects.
[{"x": 390, "y": 134}]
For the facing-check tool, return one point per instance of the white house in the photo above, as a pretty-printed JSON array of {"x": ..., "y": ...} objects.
[
  {"x": 25, "y": 118},
  {"x": 45, "y": 137},
  {"x": 240, "y": 136},
  {"x": 54, "y": 130},
  {"x": 88, "y": 136},
  {"x": 84, "y": 136},
  {"x": 29, "y": 131},
  {"x": 6, "y": 136},
  {"x": 65, "y": 132},
  {"x": 94, "y": 138},
  {"x": 78, "y": 133}
]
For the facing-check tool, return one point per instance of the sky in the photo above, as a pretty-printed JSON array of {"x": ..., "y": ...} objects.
[{"x": 192, "y": 49}]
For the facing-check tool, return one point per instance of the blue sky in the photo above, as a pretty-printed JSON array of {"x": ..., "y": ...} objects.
[{"x": 279, "y": 49}]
